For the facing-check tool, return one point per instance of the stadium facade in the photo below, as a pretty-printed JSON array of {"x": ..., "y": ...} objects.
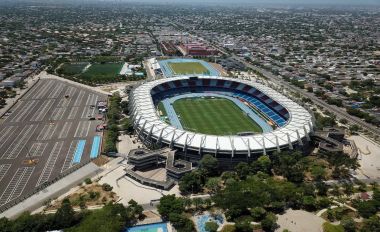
[{"x": 292, "y": 124}]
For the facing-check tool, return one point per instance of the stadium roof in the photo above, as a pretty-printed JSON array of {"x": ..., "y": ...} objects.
[{"x": 146, "y": 121}]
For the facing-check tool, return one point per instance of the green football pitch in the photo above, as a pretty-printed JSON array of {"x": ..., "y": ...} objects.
[
  {"x": 188, "y": 68},
  {"x": 215, "y": 116},
  {"x": 108, "y": 69},
  {"x": 73, "y": 68}
]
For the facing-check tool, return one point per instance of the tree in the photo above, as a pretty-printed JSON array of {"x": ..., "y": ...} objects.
[
  {"x": 309, "y": 203},
  {"x": 107, "y": 187},
  {"x": 190, "y": 183},
  {"x": 366, "y": 209},
  {"x": 323, "y": 202},
  {"x": 213, "y": 184},
  {"x": 264, "y": 163},
  {"x": 348, "y": 224},
  {"x": 242, "y": 170},
  {"x": 322, "y": 188},
  {"x": 269, "y": 222},
  {"x": 170, "y": 204},
  {"x": 228, "y": 175},
  {"x": 65, "y": 215},
  {"x": 243, "y": 225},
  {"x": 354, "y": 128},
  {"x": 209, "y": 164},
  {"x": 5, "y": 225},
  {"x": 107, "y": 219},
  {"x": 198, "y": 202},
  {"x": 343, "y": 121},
  {"x": 211, "y": 226},
  {"x": 258, "y": 213},
  {"x": 371, "y": 224},
  {"x": 181, "y": 223},
  {"x": 348, "y": 188},
  {"x": 88, "y": 181}
]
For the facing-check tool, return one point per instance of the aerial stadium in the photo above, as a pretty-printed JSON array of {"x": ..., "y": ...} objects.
[{"x": 230, "y": 118}]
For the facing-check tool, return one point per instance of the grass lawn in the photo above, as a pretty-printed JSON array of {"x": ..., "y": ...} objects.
[
  {"x": 108, "y": 69},
  {"x": 188, "y": 68},
  {"x": 328, "y": 227},
  {"x": 73, "y": 68},
  {"x": 216, "y": 116}
]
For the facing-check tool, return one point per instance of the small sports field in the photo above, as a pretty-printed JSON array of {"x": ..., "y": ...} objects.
[
  {"x": 107, "y": 69},
  {"x": 215, "y": 116},
  {"x": 184, "y": 66},
  {"x": 73, "y": 68},
  {"x": 188, "y": 68}
]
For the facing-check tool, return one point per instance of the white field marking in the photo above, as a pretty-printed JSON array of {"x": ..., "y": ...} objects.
[
  {"x": 58, "y": 113},
  {"x": 28, "y": 114},
  {"x": 65, "y": 130},
  {"x": 73, "y": 112},
  {"x": 96, "y": 99},
  {"x": 11, "y": 186},
  {"x": 79, "y": 129},
  {"x": 86, "y": 111},
  {"x": 93, "y": 111},
  {"x": 87, "y": 129},
  {"x": 89, "y": 98},
  {"x": 5, "y": 134},
  {"x": 43, "y": 110},
  {"x": 37, "y": 149},
  {"x": 28, "y": 105},
  {"x": 42, "y": 93},
  {"x": 15, "y": 108},
  {"x": 31, "y": 93},
  {"x": 22, "y": 183},
  {"x": 69, "y": 156},
  {"x": 83, "y": 129},
  {"x": 79, "y": 98},
  {"x": 37, "y": 90},
  {"x": 47, "y": 89},
  {"x": 3, "y": 170},
  {"x": 70, "y": 91},
  {"x": 18, "y": 144},
  {"x": 17, "y": 184},
  {"x": 45, "y": 175},
  {"x": 64, "y": 102},
  {"x": 60, "y": 103},
  {"x": 47, "y": 132},
  {"x": 56, "y": 92}
]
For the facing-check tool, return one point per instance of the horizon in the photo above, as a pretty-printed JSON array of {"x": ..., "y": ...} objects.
[{"x": 238, "y": 3}]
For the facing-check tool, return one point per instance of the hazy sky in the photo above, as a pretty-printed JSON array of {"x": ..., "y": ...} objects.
[
  {"x": 220, "y": 2},
  {"x": 283, "y": 2}
]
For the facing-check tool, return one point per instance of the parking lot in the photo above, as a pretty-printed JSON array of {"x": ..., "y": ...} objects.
[{"x": 45, "y": 135}]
